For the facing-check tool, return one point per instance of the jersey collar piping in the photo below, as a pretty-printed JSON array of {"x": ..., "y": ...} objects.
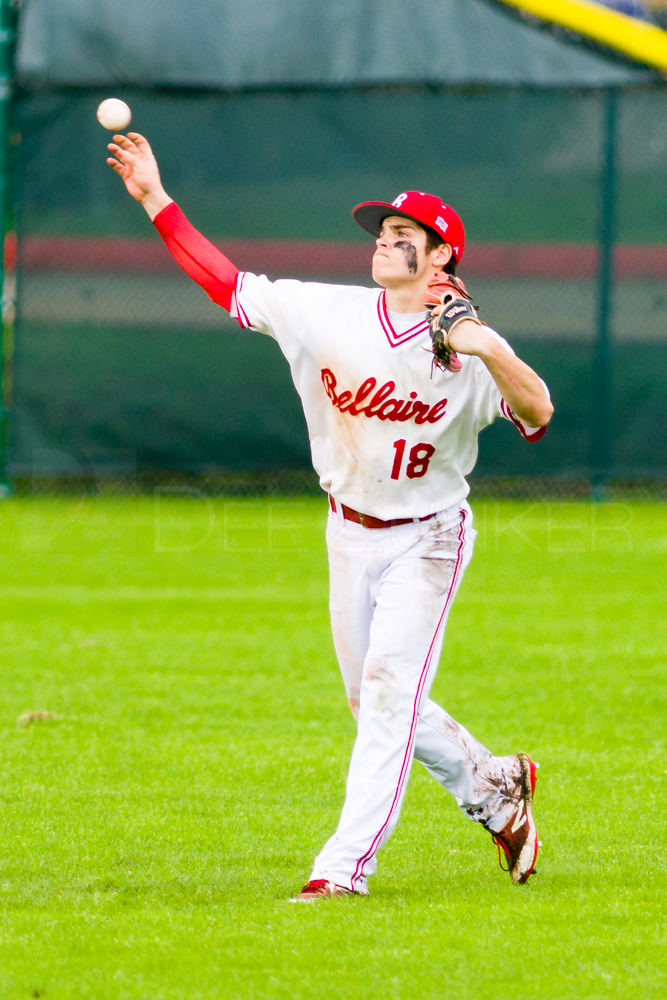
[{"x": 396, "y": 339}]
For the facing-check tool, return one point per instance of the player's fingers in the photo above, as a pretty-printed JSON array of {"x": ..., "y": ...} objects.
[
  {"x": 119, "y": 158},
  {"x": 141, "y": 142},
  {"x": 124, "y": 155},
  {"x": 124, "y": 142}
]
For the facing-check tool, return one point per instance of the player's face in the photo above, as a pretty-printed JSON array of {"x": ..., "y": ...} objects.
[{"x": 400, "y": 254}]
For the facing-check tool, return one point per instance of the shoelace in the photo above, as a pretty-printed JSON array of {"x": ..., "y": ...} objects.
[{"x": 500, "y": 843}]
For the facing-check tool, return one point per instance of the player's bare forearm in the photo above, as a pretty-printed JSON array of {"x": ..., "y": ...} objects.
[
  {"x": 521, "y": 387},
  {"x": 155, "y": 202}
]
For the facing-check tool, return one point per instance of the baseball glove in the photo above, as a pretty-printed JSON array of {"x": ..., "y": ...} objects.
[{"x": 453, "y": 294}]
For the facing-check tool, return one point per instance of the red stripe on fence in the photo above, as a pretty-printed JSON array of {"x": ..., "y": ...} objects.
[{"x": 285, "y": 257}]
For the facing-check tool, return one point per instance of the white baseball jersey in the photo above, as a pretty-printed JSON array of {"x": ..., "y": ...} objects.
[{"x": 390, "y": 434}]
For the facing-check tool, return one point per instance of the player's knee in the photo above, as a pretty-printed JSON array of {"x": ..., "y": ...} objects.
[{"x": 381, "y": 690}]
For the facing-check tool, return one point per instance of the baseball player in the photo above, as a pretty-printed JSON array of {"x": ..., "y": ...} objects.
[{"x": 396, "y": 383}]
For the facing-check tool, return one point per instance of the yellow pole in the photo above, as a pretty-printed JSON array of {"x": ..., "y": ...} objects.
[{"x": 640, "y": 40}]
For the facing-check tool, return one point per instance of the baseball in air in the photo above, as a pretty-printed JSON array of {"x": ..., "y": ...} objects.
[{"x": 114, "y": 114}]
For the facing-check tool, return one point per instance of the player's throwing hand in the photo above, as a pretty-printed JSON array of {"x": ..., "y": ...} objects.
[{"x": 133, "y": 160}]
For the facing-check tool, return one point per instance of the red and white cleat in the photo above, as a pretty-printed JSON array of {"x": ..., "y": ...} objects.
[
  {"x": 518, "y": 838},
  {"x": 321, "y": 888}
]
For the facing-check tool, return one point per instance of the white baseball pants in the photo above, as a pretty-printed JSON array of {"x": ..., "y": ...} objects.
[{"x": 391, "y": 590}]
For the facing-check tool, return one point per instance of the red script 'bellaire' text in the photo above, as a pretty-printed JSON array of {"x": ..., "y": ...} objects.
[{"x": 370, "y": 401}]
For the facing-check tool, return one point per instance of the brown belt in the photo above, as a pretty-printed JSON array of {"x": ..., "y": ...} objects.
[{"x": 367, "y": 520}]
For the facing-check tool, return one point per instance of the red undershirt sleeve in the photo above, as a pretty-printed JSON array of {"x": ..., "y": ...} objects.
[{"x": 199, "y": 258}]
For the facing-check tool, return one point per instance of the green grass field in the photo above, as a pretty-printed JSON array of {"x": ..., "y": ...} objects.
[{"x": 153, "y": 830}]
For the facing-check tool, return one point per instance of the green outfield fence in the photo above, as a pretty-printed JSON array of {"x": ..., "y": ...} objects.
[{"x": 125, "y": 377}]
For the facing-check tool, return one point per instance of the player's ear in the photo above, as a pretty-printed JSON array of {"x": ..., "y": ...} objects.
[{"x": 442, "y": 255}]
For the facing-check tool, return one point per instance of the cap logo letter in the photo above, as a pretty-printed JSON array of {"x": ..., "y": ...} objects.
[{"x": 397, "y": 202}]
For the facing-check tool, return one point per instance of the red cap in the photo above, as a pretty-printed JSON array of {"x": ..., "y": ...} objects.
[{"x": 424, "y": 208}]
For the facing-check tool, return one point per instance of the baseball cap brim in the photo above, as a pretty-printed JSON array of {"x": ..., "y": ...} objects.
[{"x": 370, "y": 215}]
